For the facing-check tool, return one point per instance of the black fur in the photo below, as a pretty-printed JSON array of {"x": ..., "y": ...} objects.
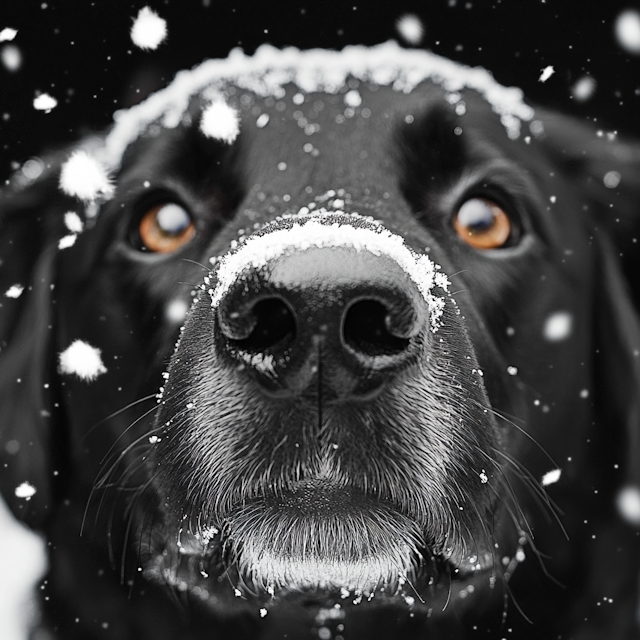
[{"x": 423, "y": 455}]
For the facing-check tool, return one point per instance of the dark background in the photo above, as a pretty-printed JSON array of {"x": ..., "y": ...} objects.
[{"x": 80, "y": 52}]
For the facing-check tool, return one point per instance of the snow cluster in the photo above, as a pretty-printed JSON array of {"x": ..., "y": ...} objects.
[
  {"x": 73, "y": 222},
  {"x": 67, "y": 241},
  {"x": 551, "y": 477},
  {"x": 268, "y": 72},
  {"x": 547, "y": 72},
  {"x": 84, "y": 177},
  {"x": 14, "y": 291},
  {"x": 25, "y": 491},
  {"x": 82, "y": 360},
  {"x": 220, "y": 121},
  {"x": 149, "y": 30},
  {"x": 257, "y": 251},
  {"x": 353, "y": 98},
  {"x": 8, "y": 34},
  {"x": 45, "y": 102}
]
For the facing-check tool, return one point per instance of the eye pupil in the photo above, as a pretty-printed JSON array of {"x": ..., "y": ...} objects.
[{"x": 482, "y": 224}]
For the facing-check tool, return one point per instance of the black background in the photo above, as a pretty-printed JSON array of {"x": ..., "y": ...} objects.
[{"x": 80, "y": 52}]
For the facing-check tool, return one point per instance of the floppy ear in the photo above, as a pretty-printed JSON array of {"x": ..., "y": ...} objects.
[
  {"x": 618, "y": 361},
  {"x": 31, "y": 224},
  {"x": 606, "y": 171}
]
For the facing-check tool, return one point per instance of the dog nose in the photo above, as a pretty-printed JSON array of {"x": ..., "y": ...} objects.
[{"x": 345, "y": 316}]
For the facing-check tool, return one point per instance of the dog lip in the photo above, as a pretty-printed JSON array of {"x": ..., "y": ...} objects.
[
  {"x": 318, "y": 497},
  {"x": 316, "y": 536}
]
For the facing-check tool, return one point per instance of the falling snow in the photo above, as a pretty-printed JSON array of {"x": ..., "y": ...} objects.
[
  {"x": 11, "y": 57},
  {"x": 220, "y": 121},
  {"x": 67, "y": 241},
  {"x": 628, "y": 503},
  {"x": 627, "y": 31},
  {"x": 410, "y": 28},
  {"x": 551, "y": 477},
  {"x": 352, "y": 99},
  {"x": 32, "y": 169},
  {"x": 583, "y": 89},
  {"x": 15, "y": 291},
  {"x": 82, "y": 360},
  {"x": 611, "y": 179},
  {"x": 8, "y": 34},
  {"x": 547, "y": 72},
  {"x": 262, "y": 121},
  {"x": 149, "y": 30},
  {"x": 73, "y": 222},
  {"x": 176, "y": 311},
  {"x": 558, "y": 326},
  {"x": 25, "y": 491},
  {"x": 84, "y": 177},
  {"x": 45, "y": 102}
]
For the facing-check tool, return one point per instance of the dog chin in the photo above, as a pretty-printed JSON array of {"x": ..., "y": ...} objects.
[{"x": 317, "y": 538}]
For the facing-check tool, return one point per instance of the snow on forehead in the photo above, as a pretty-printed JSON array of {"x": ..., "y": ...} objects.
[
  {"x": 311, "y": 232},
  {"x": 269, "y": 70}
]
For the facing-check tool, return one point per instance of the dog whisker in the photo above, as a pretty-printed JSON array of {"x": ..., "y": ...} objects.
[{"x": 115, "y": 414}]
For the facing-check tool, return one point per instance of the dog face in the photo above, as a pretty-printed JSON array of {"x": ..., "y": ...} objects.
[{"x": 384, "y": 303}]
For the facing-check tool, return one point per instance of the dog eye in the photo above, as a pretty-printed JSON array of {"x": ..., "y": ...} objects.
[
  {"x": 482, "y": 224},
  {"x": 165, "y": 228}
]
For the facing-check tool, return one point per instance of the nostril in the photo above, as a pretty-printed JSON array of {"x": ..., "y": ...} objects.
[
  {"x": 273, "y": 323},
  {"x": 366, "y": 331}
]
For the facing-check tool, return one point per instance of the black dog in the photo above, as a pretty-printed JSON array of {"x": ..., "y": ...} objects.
[{"x": 404, "y": 399}]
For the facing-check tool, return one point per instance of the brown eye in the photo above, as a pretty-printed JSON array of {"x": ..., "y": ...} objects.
[
  {"x": 166, "y": 228},
  {"x": 482, "y": 224}
]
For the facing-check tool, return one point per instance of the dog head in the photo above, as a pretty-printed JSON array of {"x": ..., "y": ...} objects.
[{"x": 386, "y": 305}]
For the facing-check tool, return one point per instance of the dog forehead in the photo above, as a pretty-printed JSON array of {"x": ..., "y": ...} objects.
[{"x": 269, "y": 72}]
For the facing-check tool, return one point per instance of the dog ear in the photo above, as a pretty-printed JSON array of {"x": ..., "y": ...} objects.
[
  {"x": 605, "y": 171},
  {"x": 618, "y": 369},
  {"x": 31, "y": 225}
]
